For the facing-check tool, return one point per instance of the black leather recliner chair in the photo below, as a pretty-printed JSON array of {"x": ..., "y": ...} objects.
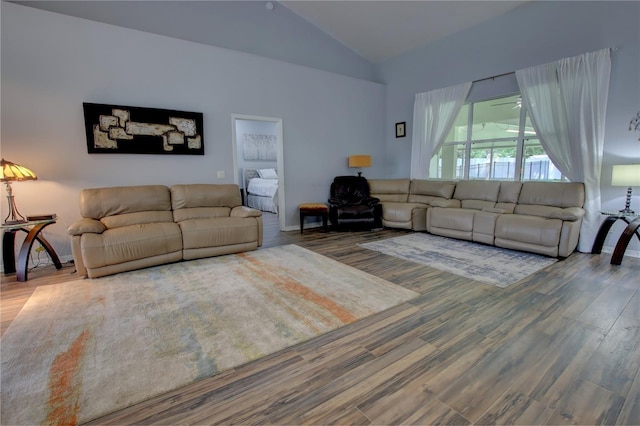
[{"x": 351, "y": 206}]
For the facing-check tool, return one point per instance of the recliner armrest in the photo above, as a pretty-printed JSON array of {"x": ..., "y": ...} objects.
[
  {"x": 85, "y": 225},
  {"x": 371, "y": 201},
  {"x": 446, "y": 203},
  {"x": 244, "y": 211},
  {"x": 570, "y": 213},
  {"x": 494, "y": 210}
]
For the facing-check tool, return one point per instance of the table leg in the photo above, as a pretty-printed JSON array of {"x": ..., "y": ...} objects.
[
  {"x": 602, "y": 234},
  {"x": 25, "y": 250},
  {"x": 8, "y": 251},
  {"x": 623, "y": 242}
]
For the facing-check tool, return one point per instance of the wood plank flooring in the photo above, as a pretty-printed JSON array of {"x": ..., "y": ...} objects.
[{"x": 560, "y": 347}]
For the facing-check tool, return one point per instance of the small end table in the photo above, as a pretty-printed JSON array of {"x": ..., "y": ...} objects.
[
  {"x": 314, "y": 209},
  {"x": 33, "y": 229},
  {"x": 633, "y": 223}
]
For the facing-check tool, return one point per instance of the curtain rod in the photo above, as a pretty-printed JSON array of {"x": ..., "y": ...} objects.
[{"x": 493, "y": 77}]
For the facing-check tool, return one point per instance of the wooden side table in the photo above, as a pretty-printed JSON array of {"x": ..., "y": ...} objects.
[
  {"x": 33, "y": 229},
  {"x": 633, "y": 223},
  {"x": 314, "y": 209},
  {"x": 623, "y": 241}
]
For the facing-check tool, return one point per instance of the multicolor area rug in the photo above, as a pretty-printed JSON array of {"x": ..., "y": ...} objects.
[
  {"x": 83, "y": 349},
  {"x": 491, "y": 265}
]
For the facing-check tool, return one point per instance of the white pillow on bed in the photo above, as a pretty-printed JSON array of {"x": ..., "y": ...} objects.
[{"x": 267, "y": 173}]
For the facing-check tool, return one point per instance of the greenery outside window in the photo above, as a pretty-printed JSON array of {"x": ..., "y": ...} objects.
[{"x": 493, "y": 139}]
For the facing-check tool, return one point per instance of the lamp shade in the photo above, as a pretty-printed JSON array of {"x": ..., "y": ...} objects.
[
  {"x": 11, "y": 171},
  {"x": 359, "y": 161},
  {"x": 625, "y": 175}
]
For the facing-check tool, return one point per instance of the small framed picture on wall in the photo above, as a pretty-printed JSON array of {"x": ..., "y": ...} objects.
[{"x": 401, "y": 130}]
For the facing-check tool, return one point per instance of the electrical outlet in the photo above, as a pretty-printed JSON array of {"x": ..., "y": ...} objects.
[{"x": 221, "y": 174}]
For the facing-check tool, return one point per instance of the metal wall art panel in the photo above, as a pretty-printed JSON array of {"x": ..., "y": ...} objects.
[{"x": 116, "y": 129}]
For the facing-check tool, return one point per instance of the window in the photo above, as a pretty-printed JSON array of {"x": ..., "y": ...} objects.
[{"x": 493, "y": 139}]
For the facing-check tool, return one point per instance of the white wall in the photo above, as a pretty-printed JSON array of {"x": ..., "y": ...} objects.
[
  {"x": 537, "y": 33},
  {"x": 52, "y": 63},
  {"x": 247, "y": 26}
]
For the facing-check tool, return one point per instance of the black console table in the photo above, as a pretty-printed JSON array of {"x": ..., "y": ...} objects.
[
  {"x": 633, "y": 223},
  {"x": 33, "y": 229}
]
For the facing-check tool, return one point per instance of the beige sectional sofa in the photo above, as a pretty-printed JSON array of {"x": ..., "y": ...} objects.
[
  {"x": 538, "y": 217},
  {"x": 405, "y": 201},
  {"x": 132, "y": 227}
]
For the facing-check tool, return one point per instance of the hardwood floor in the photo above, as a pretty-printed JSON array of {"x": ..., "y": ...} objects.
[{"x": 560, "y": 347}]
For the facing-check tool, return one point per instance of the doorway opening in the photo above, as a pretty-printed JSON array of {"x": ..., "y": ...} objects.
[{"x": 258, "y": 146}]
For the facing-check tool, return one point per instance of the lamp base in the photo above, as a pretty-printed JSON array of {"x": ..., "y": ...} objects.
[
  {"x": 627, "y": 204},
  {"x": 14, "y": 215}
]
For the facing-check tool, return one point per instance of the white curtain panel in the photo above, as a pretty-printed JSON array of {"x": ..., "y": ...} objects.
[
  {"x": 433, "y": 116},
  {"x": 567, "y": 102}
]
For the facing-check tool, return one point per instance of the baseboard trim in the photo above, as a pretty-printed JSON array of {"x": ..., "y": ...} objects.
[
  {"x": 630, "y": 253},
  {"x": 307, "y": 225},
  {"x": 46, "y": 262}
]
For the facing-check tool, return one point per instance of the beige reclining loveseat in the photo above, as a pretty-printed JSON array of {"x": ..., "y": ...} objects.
[
  {"x": 537, "y": 217},
  {"x": 132, "y": 227}
]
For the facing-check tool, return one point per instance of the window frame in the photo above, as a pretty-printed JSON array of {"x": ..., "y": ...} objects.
[{"x": 520, "y": 140}]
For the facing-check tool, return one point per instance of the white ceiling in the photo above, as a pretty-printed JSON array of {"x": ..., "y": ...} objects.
[{"x": 379, "y": 30}]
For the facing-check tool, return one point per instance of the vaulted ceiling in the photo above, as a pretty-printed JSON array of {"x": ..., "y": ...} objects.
[
  {"x": 379, "y": 30},
  {"x": 375, "y": 30}
]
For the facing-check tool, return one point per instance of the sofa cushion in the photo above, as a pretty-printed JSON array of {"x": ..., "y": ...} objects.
[
  {"x": 96, "y": 203},
  {"x": 477, "y": 204},
  {"x": 457, "y": 219},
  {"x": 569, "y": 214},
  {"x": 203, "y": 201},
  {"x": 425, "y": 191},
  {"x": 484, "y": 190},
  {"x": 205, "y": 195},
  {"x": 126, "y": 219},
  {"x": 497, "y": 210},
  {"x": 356, "y": 211},
  {"x": 505, "y": 207},
  {"x": 477, "y": 194},
  {"x": 125, "y": 244},
  {"x": 390, "y": 190},
  {"x": 86, "y": 225},
  {"x": 529, "y": 229},
  {"x": 200, "y": 213},
  {"x": 243, "y": 211},
  {"x": 557, "y": 194},
  {"x": 484, "y": 225},
  {"x": 441, "y": 202},
  {"x": 400, "y": 212},
  {"x": 509, "y": 192},
  {"x": 222, "y": 231}
]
